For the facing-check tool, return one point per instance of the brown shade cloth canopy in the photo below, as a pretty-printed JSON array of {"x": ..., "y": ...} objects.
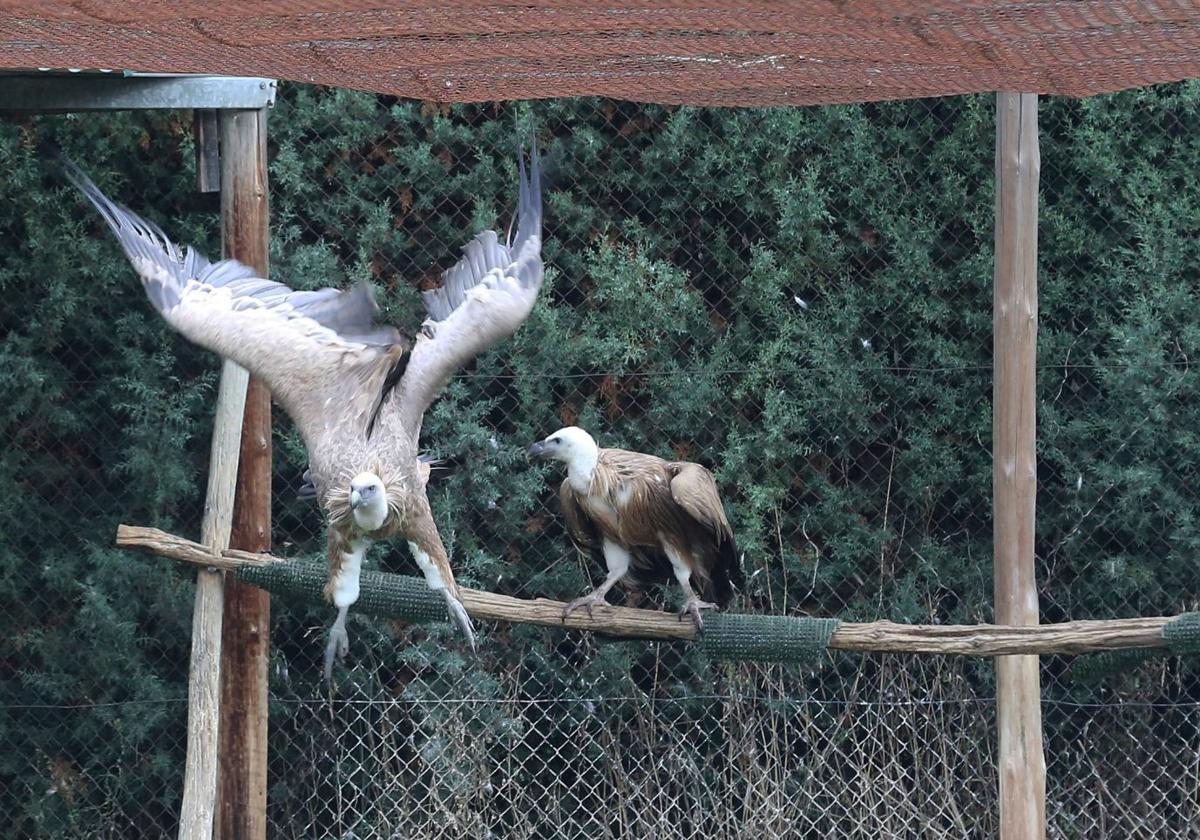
[{"x": 717, "y": 53}]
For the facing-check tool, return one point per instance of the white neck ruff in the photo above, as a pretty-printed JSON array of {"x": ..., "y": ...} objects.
[
  {"x": 371, "y": 516},
  {"x": 581, "y": 467}
]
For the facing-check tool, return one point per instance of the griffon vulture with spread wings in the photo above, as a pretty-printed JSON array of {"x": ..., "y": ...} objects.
[{"x": 356, "y": 391}]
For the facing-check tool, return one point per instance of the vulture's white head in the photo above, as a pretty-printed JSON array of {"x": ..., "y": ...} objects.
[
  {"x": 368, "y": 501},
  {"x": 574, "y": 447}
]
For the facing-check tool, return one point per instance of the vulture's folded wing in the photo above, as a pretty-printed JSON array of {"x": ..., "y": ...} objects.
[
  {"x": 694, "y": 490},
  {"x": 482, "y": 299},
  {"x": 580, "y": 527},
  {"x": 319, "y": 352}
]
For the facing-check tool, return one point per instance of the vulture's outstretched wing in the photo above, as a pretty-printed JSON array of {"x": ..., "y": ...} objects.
[
  {"x": 482, "y": 300},
  {"x": 320, "y": 352}
]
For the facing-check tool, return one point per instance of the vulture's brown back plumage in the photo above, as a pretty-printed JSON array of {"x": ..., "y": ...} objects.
[{"x": 643, "y": 497}]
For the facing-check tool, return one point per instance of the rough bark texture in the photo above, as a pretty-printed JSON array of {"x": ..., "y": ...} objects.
[
  {"x": 966, "y": 640},
  {"x": 204, "y": 676},
  {"x": 1021, "y": 763},
  {"x": 242, "y": 781}
]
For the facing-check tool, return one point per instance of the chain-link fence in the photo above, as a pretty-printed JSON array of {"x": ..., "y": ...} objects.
[{"x": 798, "y": 299}]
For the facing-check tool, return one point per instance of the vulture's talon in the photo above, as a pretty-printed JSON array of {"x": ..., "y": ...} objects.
[
  {"x": 458, "y": 615},
  {"x": 692, "y": 607},
  {"x": 336, "y": 649},
  {"x": 587, "y": 602}
]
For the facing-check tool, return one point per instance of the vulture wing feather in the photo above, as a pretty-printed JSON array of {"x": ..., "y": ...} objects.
[
  {"x": 483, "y": 298},
  {"x": 580, "y": 527},
  {"x": 319, "y": 352},
  {"x": 694, "y": 489}
]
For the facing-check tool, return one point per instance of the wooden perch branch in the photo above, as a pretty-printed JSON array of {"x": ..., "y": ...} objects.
[{"x": 877, "y": 636}]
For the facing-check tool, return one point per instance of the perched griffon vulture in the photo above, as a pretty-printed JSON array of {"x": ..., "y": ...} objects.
[
  {"x": 648, "y": 517},
  {"x": 356, "y": 391}
]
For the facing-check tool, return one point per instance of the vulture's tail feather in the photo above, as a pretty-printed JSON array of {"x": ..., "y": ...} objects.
[
  {"x": 728, "y": 573},
  {"x": 394, "y": 375},
  {"x": 351, "y": 314}
]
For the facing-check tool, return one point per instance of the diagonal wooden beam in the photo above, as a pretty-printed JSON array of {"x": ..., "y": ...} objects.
[{"x": 204, "y": 673}]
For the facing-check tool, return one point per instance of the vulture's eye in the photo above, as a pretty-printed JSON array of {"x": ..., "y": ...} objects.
[{"x": 555, "y": 440}]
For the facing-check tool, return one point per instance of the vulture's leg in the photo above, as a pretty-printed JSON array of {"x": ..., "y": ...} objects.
[
  {"x": 339, "y": 643},
  {"x": 345, "y": 569},
  {"x": 617, "y": 560},
  {"x": 692, "y": 605},
  {"x": 426, "y": 546}
]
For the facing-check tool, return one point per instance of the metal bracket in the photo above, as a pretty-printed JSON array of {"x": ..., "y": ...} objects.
[{"x": 42, "y": 93}]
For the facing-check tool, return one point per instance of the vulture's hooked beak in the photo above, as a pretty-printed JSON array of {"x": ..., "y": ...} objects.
[
  {"x": 355, "y": 499},
  {"x": 538, "y": 450}
]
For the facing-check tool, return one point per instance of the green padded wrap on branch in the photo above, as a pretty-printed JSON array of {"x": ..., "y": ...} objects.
[
  {"x": 1182, "y": 634},
  {"x": 381, "y": 594},
  {"x": 765, "y": 638},
  {"x": 731, "y": 636}
]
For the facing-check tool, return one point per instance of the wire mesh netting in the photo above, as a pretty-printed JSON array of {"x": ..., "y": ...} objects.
[
  {"x": 753, "y": 52},
  {"x": 798, "y": 299}
]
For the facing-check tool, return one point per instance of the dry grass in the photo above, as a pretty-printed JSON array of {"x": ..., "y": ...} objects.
[{"x": 905, "y": 750}]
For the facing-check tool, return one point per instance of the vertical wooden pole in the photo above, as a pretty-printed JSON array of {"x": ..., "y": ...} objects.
[
  {"x": 200, "y": 771},
  {"x": 242, "y": 781},
  {"x": 1022, "y": 764}
]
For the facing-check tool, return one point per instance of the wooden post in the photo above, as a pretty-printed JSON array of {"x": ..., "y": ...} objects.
[
  {"x": 208, "y": 150},
  {"x": 242, "y": 781},
  {"x": 1022, "y": 765},
  {"x": 200, "y": 771}
]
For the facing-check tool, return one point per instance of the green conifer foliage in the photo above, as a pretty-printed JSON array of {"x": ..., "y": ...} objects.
[{"x": 798, "y": 298}]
